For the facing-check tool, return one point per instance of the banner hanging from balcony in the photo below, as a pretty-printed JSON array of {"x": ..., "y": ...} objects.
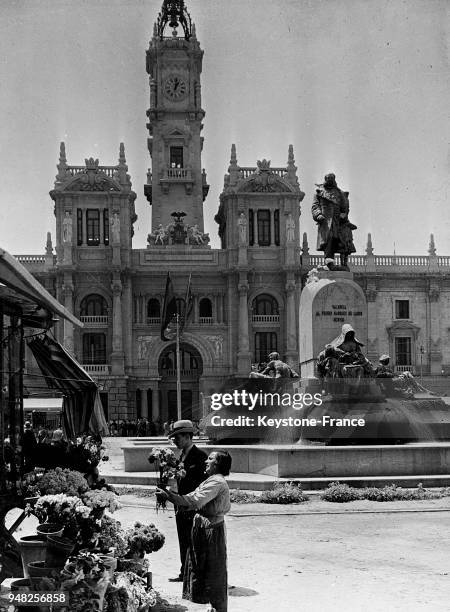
[{"x": 82, "y": 410}]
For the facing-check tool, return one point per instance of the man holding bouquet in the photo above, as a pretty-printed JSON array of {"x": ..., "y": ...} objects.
[{"x": 194, "y": 465}]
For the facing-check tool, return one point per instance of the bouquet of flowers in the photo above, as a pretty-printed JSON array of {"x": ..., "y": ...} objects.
[
  {"x": 100, "y": 500},
  {"x": 59, "y": 480},
  {"x": 169, "y": 467},
  {"x": 139, "y": 595},
  {"x": 87, "y": 452},
  {"x": 143, "y": 539}
]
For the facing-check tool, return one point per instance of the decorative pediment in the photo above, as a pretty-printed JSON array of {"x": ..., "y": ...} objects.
[
  {"x": 91, "y": 178},
  {"x": 402, "y": 326},
  {"x": 264, "y": 180}
]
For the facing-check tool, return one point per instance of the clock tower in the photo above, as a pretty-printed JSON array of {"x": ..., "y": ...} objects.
[{"x": 176, "y": 181}]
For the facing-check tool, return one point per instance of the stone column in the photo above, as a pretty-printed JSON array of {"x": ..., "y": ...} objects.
[
  {"x": 435, "y": 333},
  {"x": 127, "y": 323},
  {"x": 272, "y": 227},
  {"x": 68, "y": 304},
  {"x": 155, "y": 403},
  {"x": 255, "y": 227},
  {"x": 117, "y": 355},
  {"x": 243, "y": 364},
  {"x": 292, "y": 357}
]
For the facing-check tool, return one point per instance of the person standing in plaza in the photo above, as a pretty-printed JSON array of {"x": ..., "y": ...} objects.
[
  {"x": 205, "y": 576},
  {"x": 194, "y": 464}
]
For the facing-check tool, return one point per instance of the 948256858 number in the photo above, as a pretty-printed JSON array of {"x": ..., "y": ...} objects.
[{"x": 37, "y": 597}]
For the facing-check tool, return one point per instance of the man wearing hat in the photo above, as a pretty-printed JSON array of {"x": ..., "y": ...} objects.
[{"x": 194, "y": 464}]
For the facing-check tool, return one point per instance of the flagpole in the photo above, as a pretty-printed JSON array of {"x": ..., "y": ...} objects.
[{"x": 178, "y": 371}]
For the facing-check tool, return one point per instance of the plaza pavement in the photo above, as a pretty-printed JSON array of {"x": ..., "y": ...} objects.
[{"x": 355, "y": 557}]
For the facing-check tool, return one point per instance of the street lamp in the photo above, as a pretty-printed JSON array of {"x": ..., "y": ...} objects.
[{"x": 422, "y": 351}]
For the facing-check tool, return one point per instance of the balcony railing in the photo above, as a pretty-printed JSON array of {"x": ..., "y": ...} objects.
[
  {"x": 275, "y": 318},
  {"x": 174, "y": 174},
  {"x": 249, "y": 171},
  {"x": 95, "y": 320},
  {"x": 382, "y": 261},
  {"x": 205, "y": 320},
  {"x": 404, "y": 368},
  {"x": 96, "y": 368},
  {"x": 153, "y": 320},
  {"x": 184, "y": 373}
]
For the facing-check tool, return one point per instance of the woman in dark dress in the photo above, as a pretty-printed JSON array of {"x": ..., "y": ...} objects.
[{"x": 205, "y": 575}]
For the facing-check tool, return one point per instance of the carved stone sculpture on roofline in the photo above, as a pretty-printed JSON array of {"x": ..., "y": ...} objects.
[{"x": 178, "y": 232}]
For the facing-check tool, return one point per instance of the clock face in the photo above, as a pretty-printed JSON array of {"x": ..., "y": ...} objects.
[{"x": 175, "y": 87}]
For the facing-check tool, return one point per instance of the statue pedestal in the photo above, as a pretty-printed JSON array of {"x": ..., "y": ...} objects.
[{"x": 328, "y": 300}]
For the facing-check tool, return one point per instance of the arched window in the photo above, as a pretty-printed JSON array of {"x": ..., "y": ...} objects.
[
  {"x": 153, "y": 309},
  {"x": 205, "y": 308},
  {"x": 93, "y": 306},
  {"x": 190, "y": 361},
  {"x": 265, "y": 304}
]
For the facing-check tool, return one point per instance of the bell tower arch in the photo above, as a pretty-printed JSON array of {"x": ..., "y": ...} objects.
[{"x": 174, "y": 63}]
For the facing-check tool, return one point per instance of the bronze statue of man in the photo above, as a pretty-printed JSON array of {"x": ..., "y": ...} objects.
[{"x": 334, "y": 233}]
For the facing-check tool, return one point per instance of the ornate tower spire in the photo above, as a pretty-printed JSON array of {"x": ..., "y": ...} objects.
[
  {"x": 233, "y": 168},
  {"x": 174, "y": 14},
  {"x": 62, "y": 166},
  {"x": 305, "y": 246},
  {"x": 49, "y": 245},
  {"x": 432, "y": 247},
  {"x": 369, "y": 247}
]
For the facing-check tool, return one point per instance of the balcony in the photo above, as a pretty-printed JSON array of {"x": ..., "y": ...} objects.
[
  {"x": 181, "y": 176},
  {"x": 399, "y": 369},
  {"x": 153, "y": 320},
  {"x": 205, "y": 320},
  {"x": 264, "y": 319},
  {"x": 95, "y": 320},
  {"x": 96, "y": 369},
  {"x": 184, "y": 373}
]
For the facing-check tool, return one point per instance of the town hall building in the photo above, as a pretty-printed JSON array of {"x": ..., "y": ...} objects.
[{"x": 246, "y": 293}]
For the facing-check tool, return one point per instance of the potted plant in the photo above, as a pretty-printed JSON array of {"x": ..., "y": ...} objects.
[
  {"x": 141, "y": 540},
  {"x": 100, "y": 501},
  {"x": 86, "y": 579}
]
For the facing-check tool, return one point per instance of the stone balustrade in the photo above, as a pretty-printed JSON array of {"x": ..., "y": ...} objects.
[
  {"x": 266, "y": 318},
  {"x": 96, "y": 368},
  {"x": 95, "y": 320},
  {"x": 386, "y": 261},
  {"x": 108, "y": 170},
  {"x": 248, "y": 171}
]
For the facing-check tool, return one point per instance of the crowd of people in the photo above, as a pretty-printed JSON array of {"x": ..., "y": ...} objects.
[{"x": 144, "y": 427}]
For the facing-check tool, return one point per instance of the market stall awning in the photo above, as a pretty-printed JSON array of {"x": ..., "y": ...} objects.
[
  {"x": 42, "y": 404},
  {"x": 22, "y": 295},
  {"x": 82, "y": 410}
]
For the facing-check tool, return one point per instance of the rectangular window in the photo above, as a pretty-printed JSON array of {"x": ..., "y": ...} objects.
[
  {"x": 276, "y": 228},
  {"x": 251, "y": 227},
  {"x": 94, "y": 349},
  {"x": 265, "y": 343},
  {"x": 176, "y": 157},
  {"x": 402, "y": 309},
  {"x": 79, "y": 227},
  {"x": 403, "y": 351},
  {"x": 106, "y": 226},
  {"x": 263, "y": 227},
  {"x": 93, "y": 227}
]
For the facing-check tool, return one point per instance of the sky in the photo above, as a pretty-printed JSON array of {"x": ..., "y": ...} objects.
[{"x": 358, "y": 87}]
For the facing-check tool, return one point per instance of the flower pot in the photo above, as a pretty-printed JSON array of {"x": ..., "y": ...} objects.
[
  {"x": 39, "y": 569},
  {"x": 58, "y": 550},
  {"x": 32, "y": 548},
  {"x": 46, "y": 529},
  {"x": 22, "y": 584}
]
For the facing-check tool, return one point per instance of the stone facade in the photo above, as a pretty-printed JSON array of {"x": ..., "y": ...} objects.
[{"x": 246, "y": 294}]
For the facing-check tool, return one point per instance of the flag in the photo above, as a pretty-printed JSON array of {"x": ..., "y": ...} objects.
[
  {"x": 187, "y": 307},
  {"x": 168, "y": 325}
]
